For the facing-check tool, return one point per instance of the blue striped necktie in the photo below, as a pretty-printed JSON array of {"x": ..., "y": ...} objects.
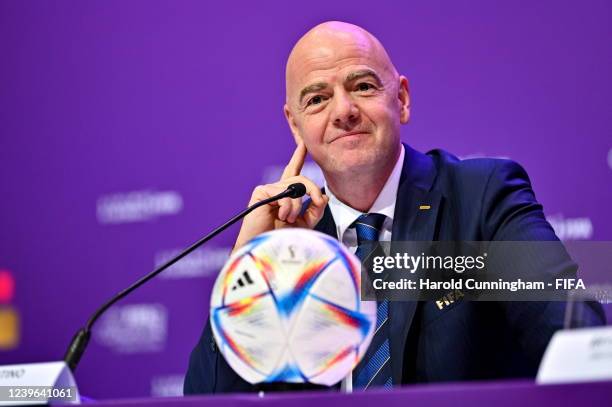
[{"x": 374, "y": 370}]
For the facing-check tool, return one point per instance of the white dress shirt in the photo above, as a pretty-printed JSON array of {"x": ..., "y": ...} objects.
[{"x": 384, "y": 204}]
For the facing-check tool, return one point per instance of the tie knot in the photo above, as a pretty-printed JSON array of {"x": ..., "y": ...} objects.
[{"x": 368, "y": 227}]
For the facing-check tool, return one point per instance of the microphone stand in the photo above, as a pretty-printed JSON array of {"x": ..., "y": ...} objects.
[{"x": 79, "y": 342}]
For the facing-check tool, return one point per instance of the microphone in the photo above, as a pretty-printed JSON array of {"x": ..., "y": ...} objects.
[
  {"x": 81, "y": 338},
  {"x": 296, "y": 190}
]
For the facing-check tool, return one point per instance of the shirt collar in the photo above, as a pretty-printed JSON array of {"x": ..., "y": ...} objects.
[{"x": 344, "y": 215}]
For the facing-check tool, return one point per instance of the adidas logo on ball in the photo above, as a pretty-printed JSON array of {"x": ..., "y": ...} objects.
[{"x": 243, "y": 280}]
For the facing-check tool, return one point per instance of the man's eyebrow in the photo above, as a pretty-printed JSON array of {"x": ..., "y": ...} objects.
[
  {"x": 315, "y": 87},
  {"x": 353, "y": 76}
]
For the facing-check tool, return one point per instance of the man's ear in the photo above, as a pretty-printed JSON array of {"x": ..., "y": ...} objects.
[
  {"x": 403, "y": 95},
  {"x": 292, "y": 125}
]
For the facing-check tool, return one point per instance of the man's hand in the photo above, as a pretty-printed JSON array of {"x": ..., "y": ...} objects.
[{"x": 286, "y": 212}]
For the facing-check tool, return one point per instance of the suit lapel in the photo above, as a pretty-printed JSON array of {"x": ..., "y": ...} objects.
[
  {"x": 412, "y": 221},
  {"x": 326, "y": 224}
]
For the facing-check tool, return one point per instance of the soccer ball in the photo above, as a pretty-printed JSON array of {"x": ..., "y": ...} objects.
[{"x": 286, "y": 308}]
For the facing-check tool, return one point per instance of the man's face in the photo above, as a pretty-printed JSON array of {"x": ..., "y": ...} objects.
[{"x": 346, "y": 102}]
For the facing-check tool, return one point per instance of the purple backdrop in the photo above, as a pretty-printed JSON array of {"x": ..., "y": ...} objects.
[{"x": 131, "y": 128}]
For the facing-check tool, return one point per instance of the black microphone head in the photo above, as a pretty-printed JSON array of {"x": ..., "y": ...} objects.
[{"x": 296, "y": 190}]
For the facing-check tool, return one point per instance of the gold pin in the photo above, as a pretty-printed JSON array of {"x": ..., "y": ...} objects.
[{"x": 424, "y": 207}]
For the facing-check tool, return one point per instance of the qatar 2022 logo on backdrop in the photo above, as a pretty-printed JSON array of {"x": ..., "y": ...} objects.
[
  {"x": 203, "y": 262},
  {"x": 137, "y": 206}
]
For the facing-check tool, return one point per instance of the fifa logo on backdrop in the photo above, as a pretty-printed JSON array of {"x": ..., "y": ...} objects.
[
  {"x": 137, "y": 206},
  {"x": 571, "y": 228},
  {"x": 134, "y": 328}
]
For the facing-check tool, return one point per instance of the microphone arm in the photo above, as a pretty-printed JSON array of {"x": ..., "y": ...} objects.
[{"x": 81, "y": 338}]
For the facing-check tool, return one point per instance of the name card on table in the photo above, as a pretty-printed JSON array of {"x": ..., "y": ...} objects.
[
  {"x": 36, "y": 383},
  {"x": 579, "y": 355}
]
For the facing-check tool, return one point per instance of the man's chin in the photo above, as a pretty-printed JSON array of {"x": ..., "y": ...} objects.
[
  {"x": 359, "y": 159},
  {"x": 354, "y": 163}
]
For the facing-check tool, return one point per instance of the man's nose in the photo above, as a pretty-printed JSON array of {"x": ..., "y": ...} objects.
[{"x": 345, "y": 112}]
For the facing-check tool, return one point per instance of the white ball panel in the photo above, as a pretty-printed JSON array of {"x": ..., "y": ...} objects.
[
  {"x": 335, "y": 285},
  {"x": 257, "y": 334},
  {"x": 320, "y": 336}
]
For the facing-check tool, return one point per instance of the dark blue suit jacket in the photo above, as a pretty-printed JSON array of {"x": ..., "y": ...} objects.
[{"x": 471, "y": 200}]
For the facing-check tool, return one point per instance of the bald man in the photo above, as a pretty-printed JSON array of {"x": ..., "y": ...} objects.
[{"x": 345, "y": 103}]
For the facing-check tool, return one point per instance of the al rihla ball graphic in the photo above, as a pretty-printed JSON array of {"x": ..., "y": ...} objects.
[{"x": 286, "y": 308}]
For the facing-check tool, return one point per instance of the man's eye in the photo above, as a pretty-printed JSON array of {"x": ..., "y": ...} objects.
[
  {"x": 315, "y": 100},
  {"x": 364, "y": 86}
]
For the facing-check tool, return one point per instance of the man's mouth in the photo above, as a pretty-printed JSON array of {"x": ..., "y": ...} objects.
[{"x": 349, "y": 134}]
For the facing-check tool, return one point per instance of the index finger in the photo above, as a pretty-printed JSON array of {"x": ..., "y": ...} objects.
[{"x": 296, "y": 163}]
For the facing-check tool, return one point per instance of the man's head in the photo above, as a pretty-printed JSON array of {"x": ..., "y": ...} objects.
[{"x": 345, "y": 99}]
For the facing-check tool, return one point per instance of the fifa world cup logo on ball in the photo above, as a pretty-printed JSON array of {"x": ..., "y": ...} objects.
[{"x": 286, "y": 308}]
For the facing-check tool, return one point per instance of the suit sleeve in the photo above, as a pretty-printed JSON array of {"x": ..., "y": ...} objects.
[
  {"x": 201, "y": 374},
  {"x": 511, "y": 213},
  {"x": 208, "y": 371},
  {"x": 510, "y": 209}
]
